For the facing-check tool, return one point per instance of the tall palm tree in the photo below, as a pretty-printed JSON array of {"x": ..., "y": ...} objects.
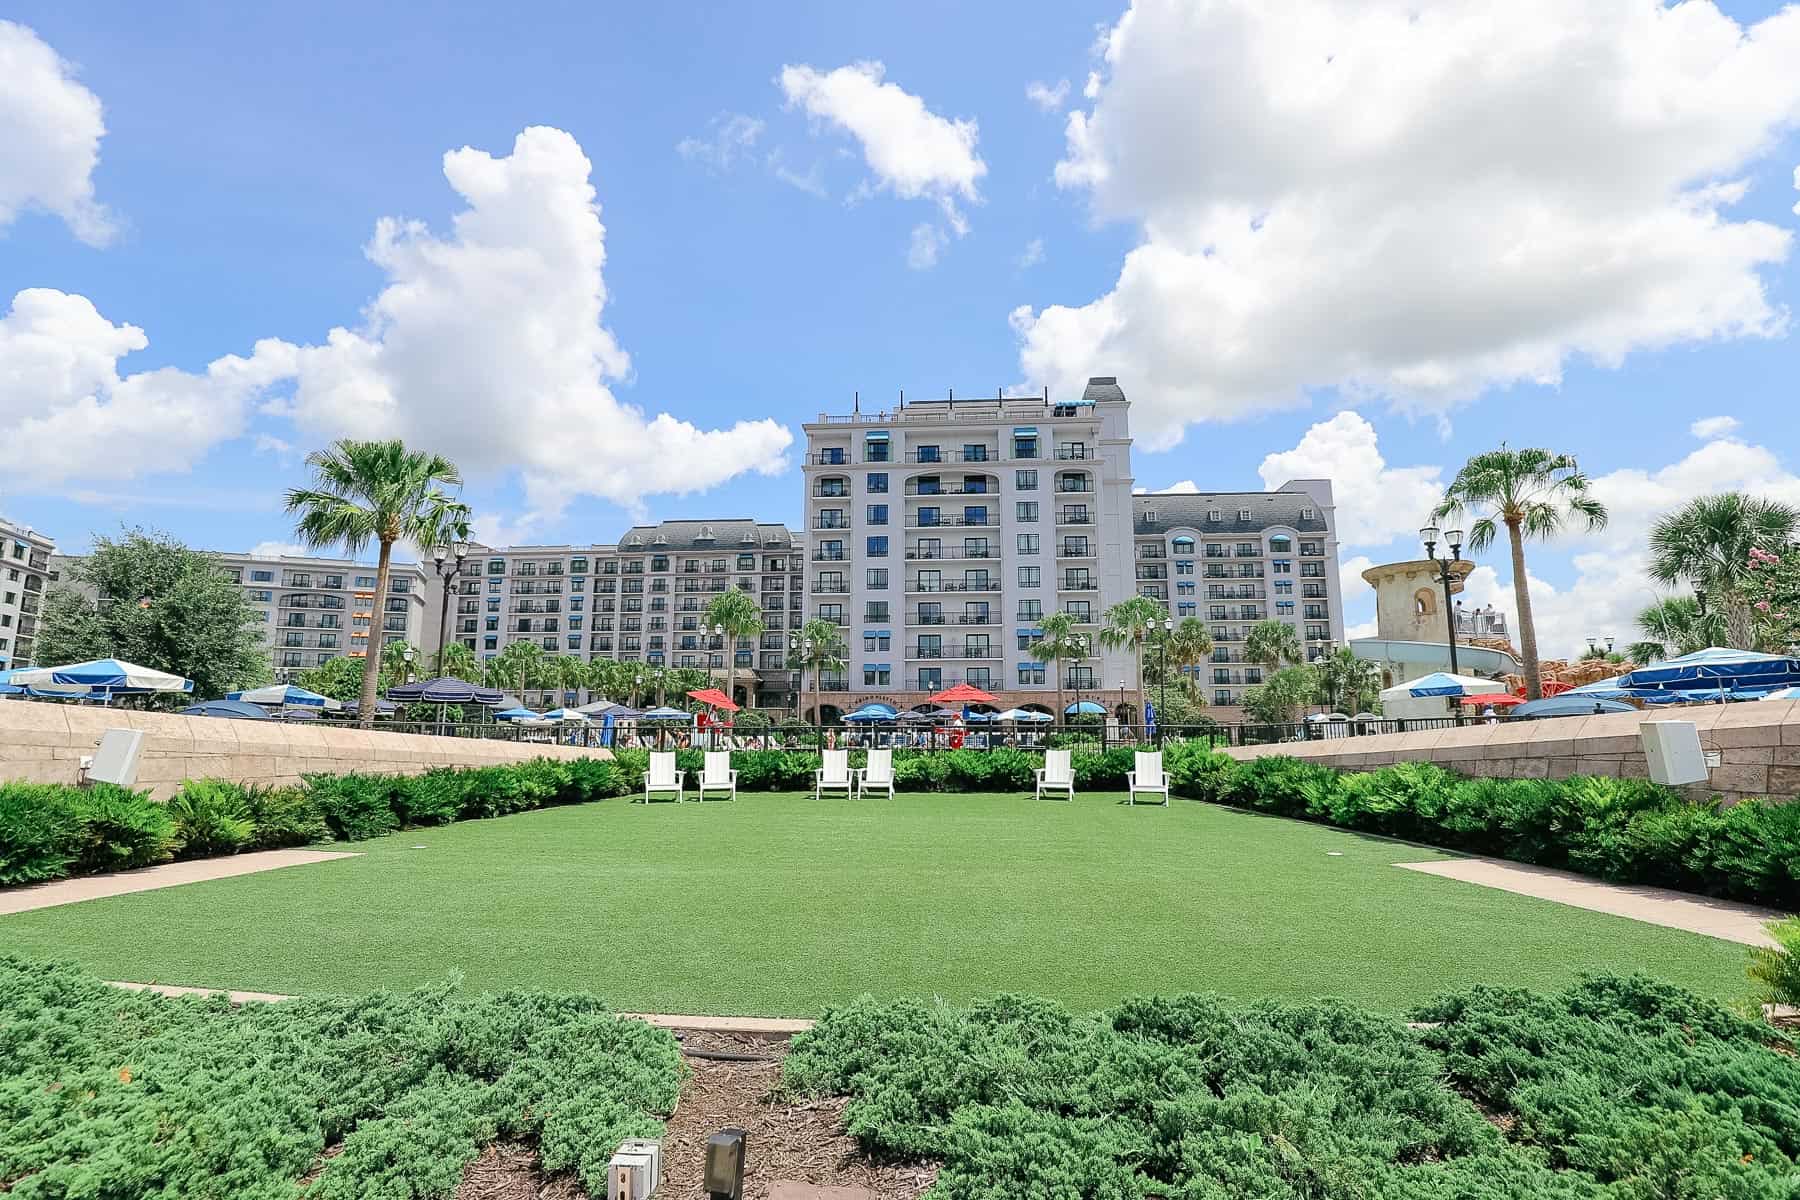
[
  {"x": 740, "y": 616},
  {"x": 611, "y": 679},
  {"x": 1345, "y": 677},
  {"x": 519, "y": 664},
  {"x": 458, "y": 662},
  {"x": 1060, "y": 643},
  {"x": 372, "y": 491},
  {"x": 567, "y": 673},
  {"x": 1534, "y": 493},
  {"x": 1129, "y": 623},
  {"x": 1271, "y": 643},
  {"x": 1676, "y": 625},
  {"x": 1708, "y": 542},
  {"x": 1190, "y": 645},
  {"x": 397, "y": 658},
  {"x": 821, "y": 650}
]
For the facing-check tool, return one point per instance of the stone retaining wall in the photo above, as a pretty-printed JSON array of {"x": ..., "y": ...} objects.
[
  {"x": 43, "y": 742},
  {"x": 1758, "y": 745}
]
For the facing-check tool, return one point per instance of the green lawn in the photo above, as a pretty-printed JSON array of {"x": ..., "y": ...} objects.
[{"x": 778, "y": 905}]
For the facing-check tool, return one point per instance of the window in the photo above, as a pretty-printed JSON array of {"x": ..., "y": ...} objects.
[
  {"x": 1284, "y": 608},
  {"x": 877, "y": 514},
  {"x": 876, "y": 577},
  {"x": 931, "y": 679},
  {"x": 974, "y": 452},
  {"x": 263, "y": 577},
  {"x": 1028, "y": 543},
  {"x": 1280, "y": 543},
  {"x": 1025, "y": 481},
  {"x": 1306, "y": 514},
  {"x": 875, "y": 610},
  {"x": 1027, "y": 510},
  {"x": 878, "y": 481},
  {"x": 1025, "y": 446},
  {"x": 1031, "y": 577},
  {"x": 878, "y": 547},
  {"x": 1030, "y": 673},
  {"x": 876, "y": 676},
  {"x": 1031, "y": 610},
  {"x": 929, "y": 454},
  {"x": 1281, "y": 566},
  {"x": 875, "y": 451}
]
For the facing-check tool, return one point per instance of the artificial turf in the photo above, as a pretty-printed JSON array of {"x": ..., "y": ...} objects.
[{"x": 779, "y": 905}]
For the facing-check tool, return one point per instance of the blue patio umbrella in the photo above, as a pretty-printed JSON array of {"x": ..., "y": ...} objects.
[
  {"x": 871, "y": 713},
  {"x": 1569, "y": 704},
  {"x": 1084, "y": 708},
  {"x": 446, "y": 690},
  {"x": 1717, "y": 669},
  {"x": 225, "y": 708},
  {"x": 516, "y": 714},
  {"x": 1442, "y": 683},
  {"x": 567, "y": 714},
  {"x": 103, "y": 677},
  {"x": 285, "y": 694},
  {"x": 665, "y": 713}
]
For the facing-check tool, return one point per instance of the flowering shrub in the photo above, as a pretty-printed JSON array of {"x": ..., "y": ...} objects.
[{"x": 1772, "y": 585}]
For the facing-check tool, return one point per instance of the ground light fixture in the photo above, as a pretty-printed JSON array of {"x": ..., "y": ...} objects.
[{"x": 725, "y": 1157}]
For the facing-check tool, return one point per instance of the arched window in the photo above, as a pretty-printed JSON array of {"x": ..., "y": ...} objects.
[
  {"x": 1184, "y": 544},
  {"x": 1281, "y": 543},
  {"x": 1424, "y": 603}
]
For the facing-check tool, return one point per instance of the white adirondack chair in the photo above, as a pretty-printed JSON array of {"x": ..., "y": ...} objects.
[
  {"x": 662, "y": 778},
  {"x": 1148, "y": 777},
  {"x": 1056, "y": 775},
  {"x": 716, "y": 775},
  {"x": 834, "y": 776},
  {"x": 879, "y": 774}
]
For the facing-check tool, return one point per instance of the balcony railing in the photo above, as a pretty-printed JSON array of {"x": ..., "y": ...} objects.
[
  {"x": 977, "y": 585},
  {"x": 950, "y": 489},
  {"x": 974, "y": 650},
  {"x": 919, "y": 618},
  {"x": 951, "y": 552},
  {"x": 951, "y": 456},
  {"x": 953, "y": 522},
  {"x": 1074, "y": 516}
]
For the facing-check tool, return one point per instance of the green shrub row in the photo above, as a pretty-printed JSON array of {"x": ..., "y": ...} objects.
[
  {"x": 105, "y": 1093},
  {"x": 1622, "y": 1089},
  {"x": 51, "y": 831},
  {"x": 1625, "y": 830}
]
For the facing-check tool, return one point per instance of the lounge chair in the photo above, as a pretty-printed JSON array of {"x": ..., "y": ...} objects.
[
  {"x": 834, "y": 776},
  {"x": 716, "y": 775},
  {"x": 662, "y": 778},
  {"x": 1148, "y": 777},
  {"x": 879, "y": 774},
  {"x": 1057, "y": 775}
]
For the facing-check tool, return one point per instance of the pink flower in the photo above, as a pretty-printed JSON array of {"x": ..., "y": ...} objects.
[{"x": 1762, "y": 605}]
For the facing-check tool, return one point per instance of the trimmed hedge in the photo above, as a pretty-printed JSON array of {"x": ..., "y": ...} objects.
[
  {"x": 1614, "y": 1089},
  {"x": 51, "y": 831},
  {"x": 385, "y": 1096}
]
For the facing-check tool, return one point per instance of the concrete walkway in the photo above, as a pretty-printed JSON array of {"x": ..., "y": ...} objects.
[
  {"x": 119, "y": 883},
  {"x": 1726, "y": 919}
]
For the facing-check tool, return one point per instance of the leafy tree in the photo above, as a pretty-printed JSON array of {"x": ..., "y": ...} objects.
[
  {"x": 1190, "y": 645},
  {"x": 821, "y": 650},
  {"x": 737, "y": 612},
  {"x": 1272, "y": 643},
  {"x": 1279, "y": 698},
  {"x": 518, "y": 665},
  {"x": 679, "y": 681},
  {"x": 1773, "y": 588},
  {"x": 1061, "y": 643},
  {"x": 457, "y": 661},
  {"x": 1130, "y": 623},
  {"x": 1348, "y": 683},
  {"x": 339, "y": 677},
  {"x": 1673, "y": 626},
  {"x": 566, "y": 673},
  {"x": 610, "y": 679},
  {"x": 1708, "y": 541},
  {"x": 158, "y": 604},
  {"x": 395, "y": 666},
  {"x": 373, "y": 491},
  {"x": 1535, "y": 494}
]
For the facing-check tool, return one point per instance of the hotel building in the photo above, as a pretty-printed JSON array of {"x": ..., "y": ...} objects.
[
  {"x": 24, "y": 571},
  {"x": 314, "y": 609}
]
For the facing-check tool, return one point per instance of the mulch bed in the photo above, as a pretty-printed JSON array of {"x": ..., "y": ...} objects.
[{"x": 804, "y": 1142}]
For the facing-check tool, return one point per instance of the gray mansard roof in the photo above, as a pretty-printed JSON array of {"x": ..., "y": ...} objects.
[
  {"x": 728, "y": 534},
  {"x": 1102, "y": 388},
  {"x": 1193, "y": 511}
]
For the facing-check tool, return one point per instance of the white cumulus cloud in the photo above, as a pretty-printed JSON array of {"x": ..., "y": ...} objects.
[
  {"x": 487, "y": 345},
  {"x": 910, "y": 151},
  {"x": 1416, "y": 203},
  {"x": 279, "y": 550},
  {"x": 66, "y": 412},
  {"x": 730, "y": 138},
  {"x": 1048, "y": 97},
  {"x": 1708, "y": 428},
  {"x": 50, "y": 129},
  {"x": 1376, "y": 503}
]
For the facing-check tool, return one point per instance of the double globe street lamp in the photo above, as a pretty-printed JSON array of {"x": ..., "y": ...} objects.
[
  {"x": 1447, "y": 575},
  {"x": 447, "y": 570}
]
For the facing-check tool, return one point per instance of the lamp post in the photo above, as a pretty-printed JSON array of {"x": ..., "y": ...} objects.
[
  {"x": 1594, "y": 640},
  {"x": 1162, "y": 683},
  {"x": 447, "y": 570},
  {"x": 1126, "y": 728},
  {"x": 1446, "y": 568},
  {"x": 718, "y": 631},
  {"x": 637, "y": 688}
]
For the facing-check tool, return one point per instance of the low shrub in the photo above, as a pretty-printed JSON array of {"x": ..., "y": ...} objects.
[
  {"x": 1202, "y": 1097},
  {"x": 1777, "y": 968},
  {"x": 283, "y": 816},
  {"x": 123, "y": 1094},
  {"x": 122, "y": 829},
  {"x": 211, "y": 816},
  {"x": 355, "y": 807},
  {"x": 40, "y": 832}
]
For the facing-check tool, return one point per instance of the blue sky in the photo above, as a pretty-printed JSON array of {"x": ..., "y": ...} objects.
[{"x": 247, "y": 157}]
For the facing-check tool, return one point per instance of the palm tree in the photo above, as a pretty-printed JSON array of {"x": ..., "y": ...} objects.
[
  {"x": 1060, "y": 643},
  {"x": 610, "y": 679},
  {"x": 1272, "y": 643},
  {"x": 821, "y": 649},
  {"x": 1355, "y": 681},
  {"x": 397, "y": 658},
  {"x": 458, "y": 662},
  {"x": 567, "y": 673},
  {"x": 1708, "y": 541},
  {"x": 738, "y": 614},
  {"x": 378, "y": 491},
  {"x": 1129, "y": 623},
  {"x": 519, "y": 664},
  {"x": 1190, "y": 645},
  {"x": 1673, "y": 626},
  {"x": 1535, "y": 493}
]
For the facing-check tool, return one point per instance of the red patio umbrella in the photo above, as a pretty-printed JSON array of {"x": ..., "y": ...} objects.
[
  {"x": 962, "y": 693},
  {"x": 715, "y": 698}
]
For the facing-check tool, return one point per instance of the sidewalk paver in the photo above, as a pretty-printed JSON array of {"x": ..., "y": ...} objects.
[
  {"x": 146, "y": 879},
  {"x": 1725, "y": 919}
]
